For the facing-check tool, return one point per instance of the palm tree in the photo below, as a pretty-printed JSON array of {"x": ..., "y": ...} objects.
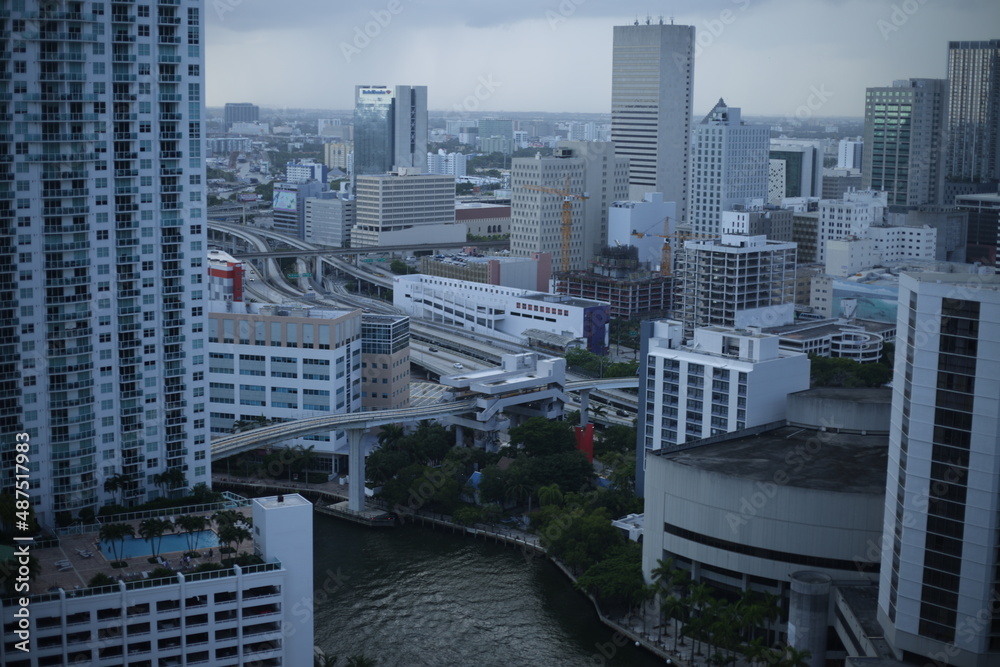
[
  {"x": 321, "y": 659},
  {"x": 672, "y": 607},
  {"x": 302, "y": 458},
  {"x": 663, "y": 570},
  {"x": 231, "y": 534},
  {"x": 192, "y": 525},
  {"x": 152, "y": 531},
  {"x": 792, "y": 657},
  {"x": 117, "y": 482},
  {"x": 772, "y": 613},
  {"x": 227, "y": 517},
  {"x": 390, "y": 434},
  {"x": 518, "y": 487},
  {"x": 115, "y": 533}
]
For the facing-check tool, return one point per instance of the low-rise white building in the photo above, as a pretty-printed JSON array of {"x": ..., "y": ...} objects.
[
  {"x": 329, "y": 221},
  {"x": 722, "y": 380},
  {"x": 494, "y": 309},
  {"x": 880, "y": 245},
  {"x": 851, "y": 216},
  {"x": 284, "y": 362},
  {"x": 232, "y": 617}
]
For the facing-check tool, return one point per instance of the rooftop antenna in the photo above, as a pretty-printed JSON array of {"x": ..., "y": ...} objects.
[
  {"x": 661, "y": 19},
  {"x": 648, "y": 19},
  {"x": 636, "y": 20}
]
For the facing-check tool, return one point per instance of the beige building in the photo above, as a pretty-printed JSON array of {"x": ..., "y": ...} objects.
[
  {"x": 385, "y": 362},
  {"x": 335, "y": 155},
  {"x": 405, "y": 206}
]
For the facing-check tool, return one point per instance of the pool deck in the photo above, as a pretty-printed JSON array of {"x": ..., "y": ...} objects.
[{"x": 80, "y": 570}]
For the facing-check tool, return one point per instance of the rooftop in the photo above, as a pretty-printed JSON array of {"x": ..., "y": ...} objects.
[{"x": 827, "y": 461}]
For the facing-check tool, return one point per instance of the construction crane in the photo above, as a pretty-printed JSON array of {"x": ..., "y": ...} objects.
[
  {"x": 567, "y": 215},
  {"x": 666, "y": 257}
]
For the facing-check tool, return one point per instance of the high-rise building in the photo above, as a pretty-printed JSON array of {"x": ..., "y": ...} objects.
[
  {"x": 329, "y": 219},
  {"x": 738, "y": 280},
  {"x": 939, "y": 580},
  {"x": 496, "y": 127},
  {"x": 972, "y": 142},
  {"x": 102, "y": 341},
  {"x": 240, "y": 112},
  {"x": 336, "y": 154},
  {"x": 903, "y": 130},
  {"x": 588, "y": 169},
  {"x": 651, "y": 96},
  {"x": 404, "y": 207},
  {"x": 390, "y": 129},
  {"x": 450, "y": 164},
  {"x": 729, "y": 167},
  {"x": 300, "y": 171}
]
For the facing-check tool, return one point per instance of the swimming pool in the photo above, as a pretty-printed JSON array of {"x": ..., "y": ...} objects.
[{"x": 171, "y": 542}]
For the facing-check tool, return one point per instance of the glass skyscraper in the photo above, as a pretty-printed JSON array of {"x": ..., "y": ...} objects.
[
  {"x": 101, "y": 267},
  {"x": 390, "y": 128}
]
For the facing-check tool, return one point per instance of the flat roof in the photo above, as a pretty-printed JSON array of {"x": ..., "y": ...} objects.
[
  {"x": 826, "y": 461},
  {"x": 853, "y": 394},
  {"x": 287, "y": 500},
  {"x": 562, "y": 299}
]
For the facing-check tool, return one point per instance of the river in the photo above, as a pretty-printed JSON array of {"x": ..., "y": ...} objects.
[{"x": 417, "y": 596}]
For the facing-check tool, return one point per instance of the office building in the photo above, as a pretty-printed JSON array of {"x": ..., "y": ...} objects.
[
  {"x": 983, "y": 228},
  {"x": 851, "y": 216},
  {"x": 498, "y": 128},
  {"x": 595, "y": 178},
  {"x": 505, "y": 312},
  {"x": 289, "y": 206},
  {"x": 799, "y": 172},
  {"x": 737, "y": 280},
  {"x": 385, "y": 362},
  {"x": 721, "y": 380},
  {"x": 285, "y": 363},
  {"x": 240, "y": 112},
  {"x": 652, "y": 80},
  {"x": 972, "y": 144},
  {"x": 301, "y": 171},
  {"x": 850, "y": 154},
  {"x": 405, "y": 207},
  {"x": 390, "y": 129},
  {"x": 328, "y": 220},
  {"x": 903, "y": 131},
  {"x": 880, "y": 245},
  {"x": 729, "y": 167},
  {"x": 104, "y": 242},
  {"x": 647, "y": 225},
  {"x": 225, "y": 146},
  {"x": 235, "y": 616},
  {"x": 940, "y": 552}
]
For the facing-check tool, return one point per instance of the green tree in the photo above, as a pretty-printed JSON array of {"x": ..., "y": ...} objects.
[
  {"x": 615, "y": 438},
  {"x": 540, "y": 437},
  {"x": 233, "y": 534},
  {"x": 550, "y": 495},
  {"x": 152, "y": 531},
  {"x": 116, "y": 483},
  {"x": 192, "y": 526},
  {"x": 115, "y": 534},
  {"x": 617, "y": 579},
  {"x": 100, "y": 579}
]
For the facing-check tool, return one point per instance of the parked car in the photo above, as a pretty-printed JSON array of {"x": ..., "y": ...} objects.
[
  {"x": 432, "y": 349},
  {"x": 458, "y": 365}
]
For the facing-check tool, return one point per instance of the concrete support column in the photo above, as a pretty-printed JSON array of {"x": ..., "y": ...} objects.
[
  {"x": 808, "y": 614},
  {"x": 459, "y": 435},
  {"x": 356, "y": 470},
  {"x": 584, "y": 398}
]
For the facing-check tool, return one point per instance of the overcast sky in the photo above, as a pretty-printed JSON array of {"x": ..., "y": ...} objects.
[{"x": 766, "y": 56}]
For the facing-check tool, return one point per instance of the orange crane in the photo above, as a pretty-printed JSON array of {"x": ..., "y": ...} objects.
[
  {"x": 666, "y": 253},
  {"x": 567, "y": 216}
]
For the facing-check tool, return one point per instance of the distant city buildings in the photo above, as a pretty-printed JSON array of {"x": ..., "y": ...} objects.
[
  {"x": 289, "y": 206},
  {"x": 729, "y": 167},
  {"x": 484, "y": 219},
  {"x": 939, "y": 547},
  {"x": 447, "y": 164},
  {"x": 531, "y": 273},
  {"x": 595, "y": 178},
  {"x": 240, "y": 112},
  {"x": 301, "y": 171},
  {"x": 850, "y": 154},
  {"x": 903, "y": 130},
  {"x": 984, "y": 226},
  {"x": 972, "y": 144},
  {"x": 405, "y": 207},
  {"x": 338, "y": 155},
  {"x": 226, "y": 276},
  {"x": 851, "y": 216},
  {"x": 652, "y": 79}
]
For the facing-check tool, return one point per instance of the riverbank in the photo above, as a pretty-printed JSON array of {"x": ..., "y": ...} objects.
[{"x": 635, "y": 629}]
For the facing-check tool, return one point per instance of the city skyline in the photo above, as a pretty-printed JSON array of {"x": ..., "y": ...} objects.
[{"x": 555, "y": 57}]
